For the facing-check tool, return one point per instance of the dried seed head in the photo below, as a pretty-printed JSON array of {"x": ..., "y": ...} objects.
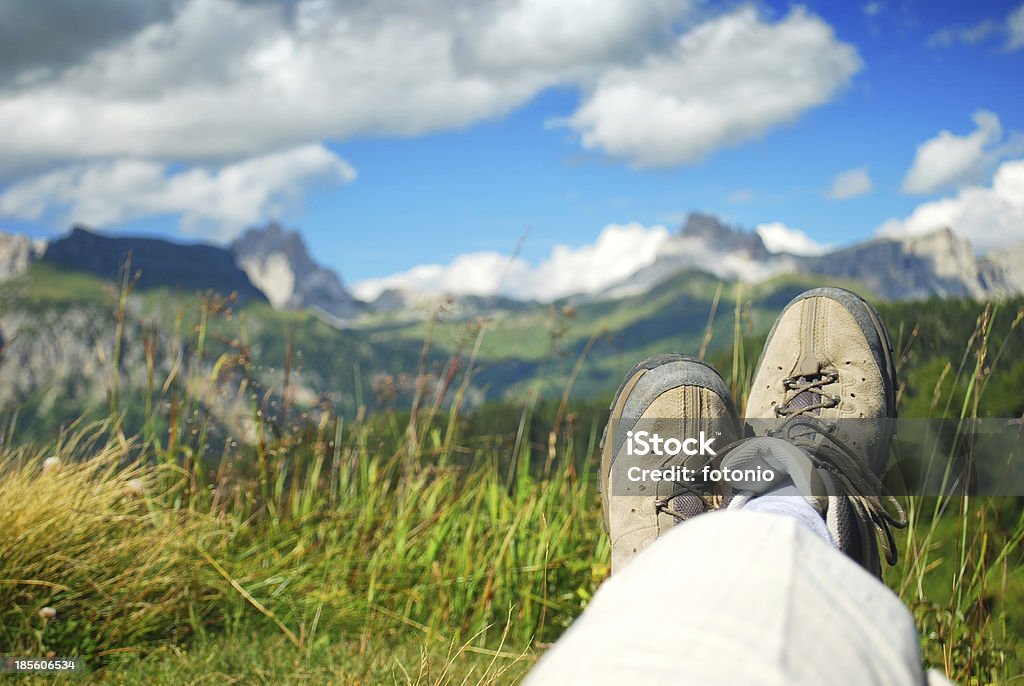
[{"x": 134, "y": 488}]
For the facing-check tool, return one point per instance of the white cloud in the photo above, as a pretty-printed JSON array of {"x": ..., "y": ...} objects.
[
  {"x": 223, "y": 79},
  {"x": 850, "y": 184},
  {"x": 620, "y": 250},
  {"x": 989, "y": 217},
  {"x": 478, "y": 273},
  {"x": 949, "y": 159},
  {"x": 968, "y": 35},
  {"x": 779, "y": 238},
  {"x": 873, "y": 9},
  {"x": 568, "y": 35},
  {"x": 220, "y": 201},
  {"x": 727, "y": 81},
  {"x": 1012, "y": 27},
  {"x": 1015, "y": 29}
]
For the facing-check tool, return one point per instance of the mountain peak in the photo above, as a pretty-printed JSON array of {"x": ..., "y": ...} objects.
[
  {"x": 704, "y": 243},
  {"x": 262, "y": 241},
  {"x": 273, "y": 236},
  {"x": 706, "y": 225},
  {"x": 278, "y": 262},
  {"x": 78, "y": 230},
  {"x": 721, "y": 237}
]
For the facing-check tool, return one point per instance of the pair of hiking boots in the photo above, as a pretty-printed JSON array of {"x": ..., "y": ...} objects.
[{"x": 819, "y": 418}]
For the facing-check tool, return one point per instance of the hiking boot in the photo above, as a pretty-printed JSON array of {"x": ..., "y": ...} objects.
[
  {"x": 826, "y": 382},
  {"x": 828, "y": 356},
  {"x": 673, "y": 396}
]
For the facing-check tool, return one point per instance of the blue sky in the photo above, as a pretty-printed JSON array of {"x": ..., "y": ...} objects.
[{"x": 396, "y": 162}]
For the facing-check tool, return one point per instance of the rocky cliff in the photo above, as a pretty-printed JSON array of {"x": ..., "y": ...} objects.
[
  {"x": 276, "y": 260},
  {"x": 939, "y": 263},
  {"x": 17, "y": 253}
]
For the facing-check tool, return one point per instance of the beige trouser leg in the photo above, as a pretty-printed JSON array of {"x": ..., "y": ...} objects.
[{"x": 739, "y": 598}]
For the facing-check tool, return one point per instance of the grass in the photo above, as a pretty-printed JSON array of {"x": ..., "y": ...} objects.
[
  {"x": 44, "y": 283},
  {"x": 414, "y": 547},
  {"x": 350, "y": 555}
]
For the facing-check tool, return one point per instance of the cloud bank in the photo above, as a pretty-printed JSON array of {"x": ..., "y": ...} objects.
[
  {"x": 215, "y": 201},
  {"x": 206, "y": 85},
  {"x": 620, "y": 250},
  {"x": 989, "y": 216},
  {"x": 221, "y": 80}
]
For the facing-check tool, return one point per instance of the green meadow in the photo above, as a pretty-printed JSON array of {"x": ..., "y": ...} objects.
[{"x": 406, "y": 532}]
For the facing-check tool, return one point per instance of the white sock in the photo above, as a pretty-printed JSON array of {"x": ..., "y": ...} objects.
[{"x": 788, "y": 502}]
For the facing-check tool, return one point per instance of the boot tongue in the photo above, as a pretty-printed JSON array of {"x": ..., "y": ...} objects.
[{"x": 804, "y": 398}]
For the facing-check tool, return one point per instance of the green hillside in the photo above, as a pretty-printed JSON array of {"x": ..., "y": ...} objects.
[{"x": 513, "y": 354}]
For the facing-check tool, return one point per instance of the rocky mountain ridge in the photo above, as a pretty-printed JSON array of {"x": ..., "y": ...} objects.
[
  {"x": 935, "y": 264},
  {"x": 155, "y": 261},
  {"x": 940, "y": 263},
  {"x": 265, "y": 264},
  {"x": 273, "y": 264}
]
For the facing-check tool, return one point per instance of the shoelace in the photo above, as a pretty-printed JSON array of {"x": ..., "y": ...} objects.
[
  {"x": 864, "y": 490},
  {"x": 799, "y": 385},
  {"x": 712, "y": 501}
]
